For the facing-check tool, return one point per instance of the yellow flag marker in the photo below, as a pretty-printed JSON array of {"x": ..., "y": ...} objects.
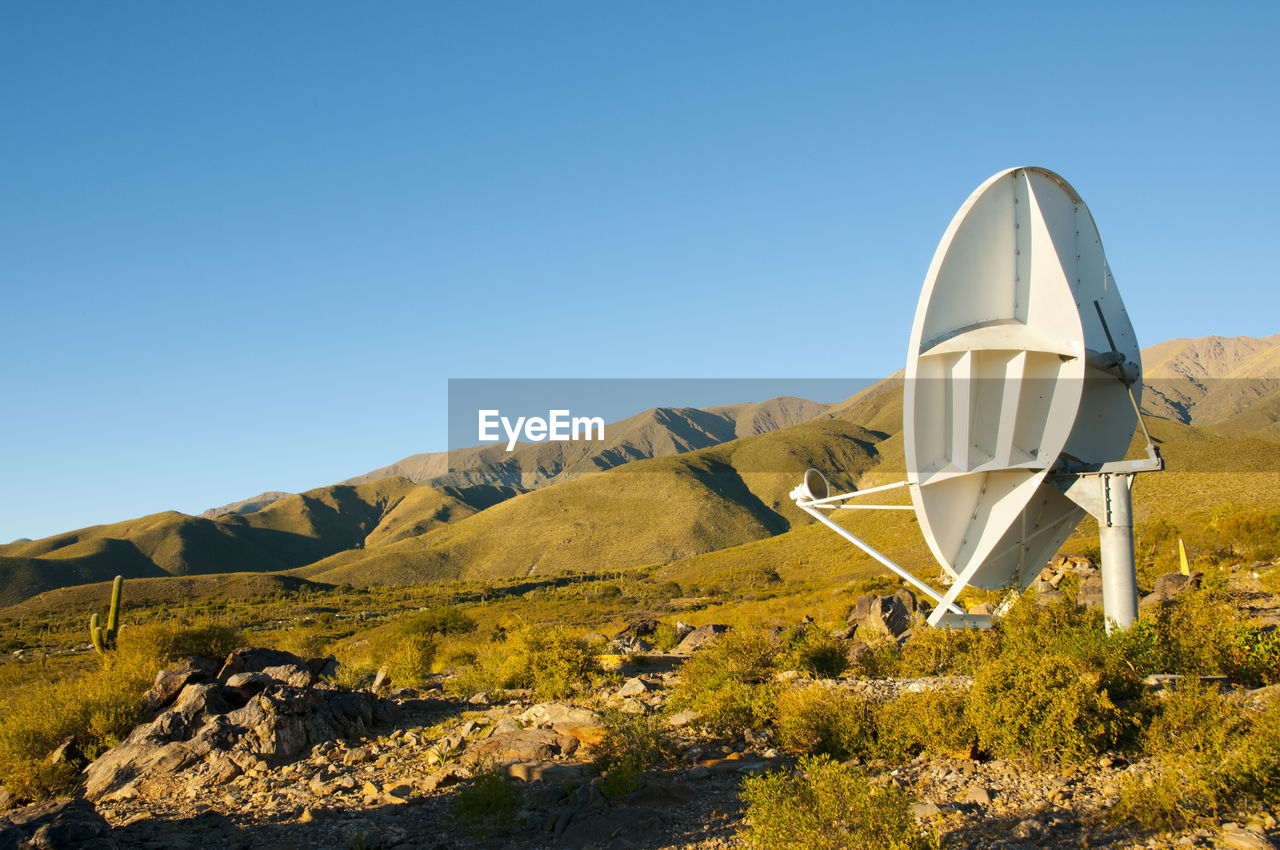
[{"x": 1182, "y": 558}]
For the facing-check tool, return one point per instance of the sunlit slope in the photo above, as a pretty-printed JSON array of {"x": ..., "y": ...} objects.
[
  {"x": 651, "y": 511},
  {"x": 294, "y": 531},
  {"x": 657, "y": 432},
  {"x": 175, "y": 591}
]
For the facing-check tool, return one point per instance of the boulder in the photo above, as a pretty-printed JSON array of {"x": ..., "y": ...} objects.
[
  {"x": 580, "y": 723},
  {"x": 169, "y": 683},
  {"x": 861, "y": 606},
  {"x": 1090, "y": 593},
  {"x": 633, "y": 687},
  {"x": 523, "y": 745},
  {"x": 250, "y": 715},
  {"x": 701, "y": 636},
  {"x": 67, "y": 823},
  {"x": 1171, "y": 585},
  {"x": 278, "y": 664},
  {"x": 885, "y": 615}
]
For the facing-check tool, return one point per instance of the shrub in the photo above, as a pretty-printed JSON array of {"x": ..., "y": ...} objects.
[
  {"x": 550, "y": 661},
  {"x": 942, "y": 652},
  {"x": 815, "y": 651},
  {"x": 1044, "y": 709},
  {"x": 878, "y": 660},
  {"x": 95, "y": 709},
  {"x": 665, "y": 638},
  {"x": 826, "y": 805},
  {"x": 488, "y": 803},
  {"x": 822, "y": 721},
  {"x": 729, "y": 708},
  {"x": 729, "y": 683},
  {"x": 306, "y": 641},
  {"x": 632, "y": 744},
  {"x": 437, "y": 621},
  {"x": 933, "y": 721},
  {"x": 1210, "y": 756},
  {"x": 407, "y": 657},
  {"x": 1202, "y": 633}
]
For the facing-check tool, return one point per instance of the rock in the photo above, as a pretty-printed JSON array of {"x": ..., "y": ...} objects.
[
  {"x": 1090, "y": 593},
  {"x": 683, "y": 630},
  {"x": 682, "y": 719},
  {"x": 242, "y": 687},
  {"x": 631, "y": 646},
  {"x": 479, "y": 699},
  {"x": 505, "y": 726},
  {"x": 1244, "y": 839},
  {"x": 983, "y": 609},
  {"x": 524, "y": 745},
  {"x": 65, "y": 751},
  {"x": 382, "y": 680},
  {"x": 978, "y": 794},
  {"x": 326, "y": 667},
  {"x": 547, "y": 771},
  {"x": 908, "y": 600},
  {"x": 169, "y": 683},
  {"x": 642, "y": 628},
  {"x": 885, "y": 615},
  {"x": 700, "y": 771},
  {"x": 441, "y": 778},
  {"x": 920, "y": 811},
  {"x": 67, "y": 823},
  {"x": 281, "y": 721},
  {"x": 1027, "y": 829},
  {"x": 278, "y": 664},
  {"x": 1171, "y": 585},
  {"x": 701, "y": 636},
  {"x": 581, "y": 723},
  {"x": 633, "y": 687},
  {"x": 600, "y": 829}
]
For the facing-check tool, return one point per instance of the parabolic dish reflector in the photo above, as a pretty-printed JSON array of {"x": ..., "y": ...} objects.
[{"x": 1012, "y": 371}]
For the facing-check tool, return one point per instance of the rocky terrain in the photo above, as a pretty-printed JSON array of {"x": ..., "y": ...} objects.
[{"x": 262, "y": 751}]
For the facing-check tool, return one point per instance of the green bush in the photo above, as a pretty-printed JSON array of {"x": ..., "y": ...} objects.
[
  {"x": 729, "y": 683},
  {"x": 1202, "y": 633},
  {"x": 879, "y": 660},
  {"x": 632, "y": 744},
  {"x": 826, "y": 806},
  {"x": 934, "y": 721},
  {"x": 488, "y": 803},
  {"x": 1211, "y": 757},
  {"x": 437, "y": 621},
  {"x": 731, "y": 707},
  {"x": 942, "y": 652},
  {"x": 1044, "y": 709},
  {"x": 816, "y": 651},
  {"x": 551, "y": 662},
  {"x": 822, "y": 721},
  {"x": 94, "y": 709},
  {"x": 408, "y": 658}
]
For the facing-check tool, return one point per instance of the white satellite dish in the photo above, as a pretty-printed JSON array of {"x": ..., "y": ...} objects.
[{"x": 1019, "y": 401}]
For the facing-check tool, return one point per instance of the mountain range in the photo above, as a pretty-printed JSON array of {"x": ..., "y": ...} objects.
[{"x": 698, "y": 490}]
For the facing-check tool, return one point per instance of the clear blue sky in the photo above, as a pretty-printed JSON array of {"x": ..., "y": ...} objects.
[{"x": 243, "y": 246}]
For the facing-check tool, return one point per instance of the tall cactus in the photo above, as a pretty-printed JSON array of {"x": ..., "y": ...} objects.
[{"x": 104, "y": 640}]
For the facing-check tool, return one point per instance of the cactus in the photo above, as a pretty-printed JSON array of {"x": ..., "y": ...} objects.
[{"x": 104, "y": 640}]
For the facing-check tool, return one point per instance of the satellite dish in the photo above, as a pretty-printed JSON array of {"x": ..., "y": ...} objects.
[
  {"x": 1021, "y": 382},
  {"x": 1017, "y": 313}
]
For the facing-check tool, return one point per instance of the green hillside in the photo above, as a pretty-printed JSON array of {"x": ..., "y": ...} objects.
[
  {"x": 651, "y": 511},
  {"x": 291, "y": 532}
]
